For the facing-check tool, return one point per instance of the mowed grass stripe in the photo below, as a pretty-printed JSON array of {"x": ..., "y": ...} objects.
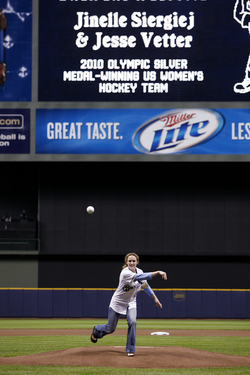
[
  {"x": 78, "y": 370},
  {"x": 159, "y": 324}
]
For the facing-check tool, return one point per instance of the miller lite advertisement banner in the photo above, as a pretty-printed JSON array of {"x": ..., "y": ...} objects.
[
  {"x": 143, "y": 131},
  {"x": 144, "y": 50},
  {"x": 15, "y": 50}
]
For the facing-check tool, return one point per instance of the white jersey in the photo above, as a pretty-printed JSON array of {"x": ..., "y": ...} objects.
[{"x": 126, "y": 292}]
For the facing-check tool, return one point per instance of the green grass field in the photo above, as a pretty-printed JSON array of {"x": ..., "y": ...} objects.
[
  {"x": 22, "y": 345},
  {"x": 159, "y": 324}
]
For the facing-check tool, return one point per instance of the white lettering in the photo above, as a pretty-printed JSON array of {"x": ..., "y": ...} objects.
[
  {"x": 103, "y": 130},
  {"x": 167, "y": 22},
  {"x": 64, "y": 130},
  {"x": 112, "y": 19},
  {"x": 153, "y": 88},
  {"x": 240, "y": 131},
  {"x": 114, "y": 41},
  {"x": 117, "y": 88},
  {"x": 166, "y": 40}
]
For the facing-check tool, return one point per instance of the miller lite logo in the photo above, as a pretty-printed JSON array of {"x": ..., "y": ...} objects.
[{"x": 177, "y": 130}]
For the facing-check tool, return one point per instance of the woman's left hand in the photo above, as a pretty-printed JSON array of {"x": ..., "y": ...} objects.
[{"x": 157, "y": 302}]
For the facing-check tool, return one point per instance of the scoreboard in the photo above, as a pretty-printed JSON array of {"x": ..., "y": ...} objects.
[
  {"x": 134, "y": 50},
  {"x": 130, "y": 63}
]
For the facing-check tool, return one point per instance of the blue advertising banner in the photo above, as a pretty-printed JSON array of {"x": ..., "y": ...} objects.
[
  {"x": 144, "y": 50},
  {"x": 14, "y": 131},
  {"x": 143, "y": 131},
  {"x": 15, "y": 50}
]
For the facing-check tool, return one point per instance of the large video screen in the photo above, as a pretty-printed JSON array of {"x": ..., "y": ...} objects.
[
  {"x": 143, "y": 50},
  {"x": 124, "y": 80}
]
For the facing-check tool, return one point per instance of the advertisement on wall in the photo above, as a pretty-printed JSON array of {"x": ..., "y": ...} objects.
[
  {"x": 14, "y": 131},
  {"x": 15, "y": 50},
  {"x": 144, "y": 50},
  {"x": 143, "y": 131}
]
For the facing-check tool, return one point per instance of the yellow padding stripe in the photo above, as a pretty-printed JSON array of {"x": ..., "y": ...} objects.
[
  {"x": 57, "y": 289},
  {"x": 160, "y": 290}
]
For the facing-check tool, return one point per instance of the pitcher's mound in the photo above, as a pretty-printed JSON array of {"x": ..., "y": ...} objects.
[{"x": 146, "y": 357}]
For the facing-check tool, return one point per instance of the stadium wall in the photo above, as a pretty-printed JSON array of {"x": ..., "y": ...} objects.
[{"x": 93, "y": 303}]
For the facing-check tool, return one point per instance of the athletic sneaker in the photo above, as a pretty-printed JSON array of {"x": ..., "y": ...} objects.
[
  {"x": 242, "y": 87},
  {"x": 131, "y": 354},
  {"x": 92, "y": 337}
]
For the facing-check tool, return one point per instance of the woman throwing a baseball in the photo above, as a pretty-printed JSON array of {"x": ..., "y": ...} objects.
[{"x": 131, "y": 281}]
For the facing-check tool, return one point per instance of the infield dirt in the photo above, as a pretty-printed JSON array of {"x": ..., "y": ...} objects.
[{"x": 146, "y": 357}]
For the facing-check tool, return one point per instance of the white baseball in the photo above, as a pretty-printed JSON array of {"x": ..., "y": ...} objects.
[{"x": 90, "y": 209}]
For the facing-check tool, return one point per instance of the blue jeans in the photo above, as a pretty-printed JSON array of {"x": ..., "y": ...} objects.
[{"x": 113, "y": 317}]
